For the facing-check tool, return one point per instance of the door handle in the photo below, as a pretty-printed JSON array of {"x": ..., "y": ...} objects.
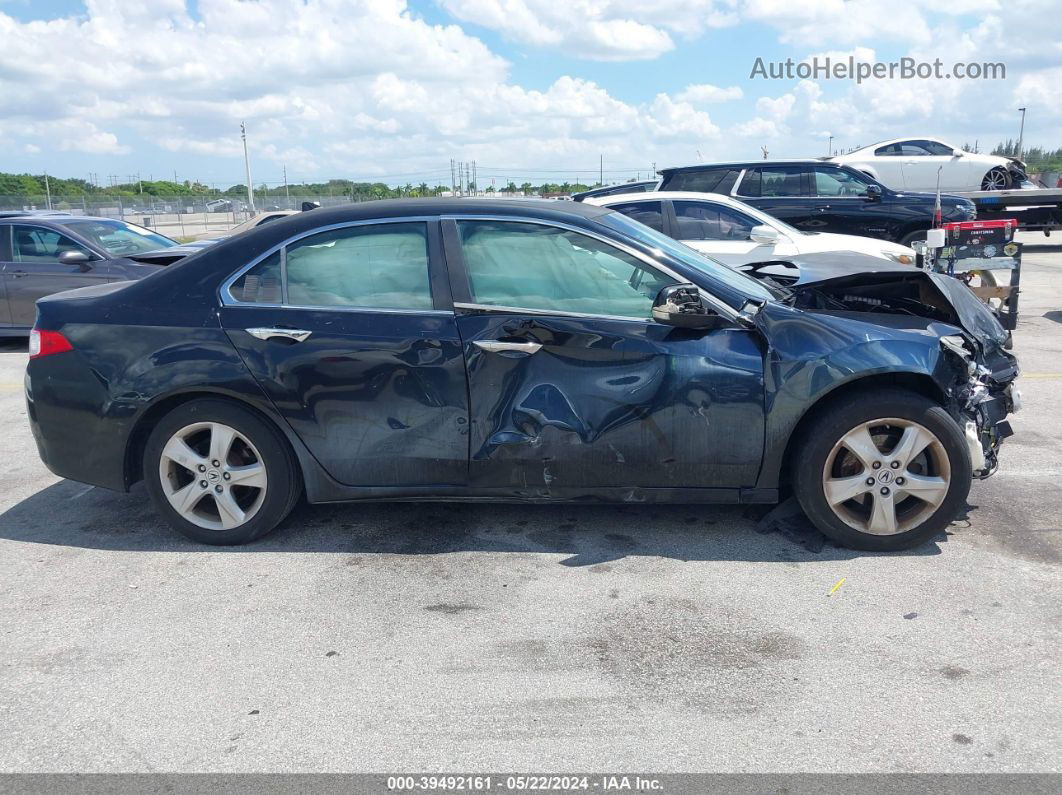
[
  {"x": 292, "y": 334},
  {"x": 498, "y": 346}
]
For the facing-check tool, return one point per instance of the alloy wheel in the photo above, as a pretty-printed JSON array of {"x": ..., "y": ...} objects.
[
  {"x": 886, "y": 476},
  {"x": 996, "y": 179},
  {"x": 212, "y": 475}
]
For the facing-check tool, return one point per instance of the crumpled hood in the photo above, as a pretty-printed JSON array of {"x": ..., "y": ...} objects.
[{"x": 875, "y": 278}]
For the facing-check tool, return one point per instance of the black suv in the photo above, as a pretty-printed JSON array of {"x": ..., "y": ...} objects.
[{"x": 822, "y": 197}]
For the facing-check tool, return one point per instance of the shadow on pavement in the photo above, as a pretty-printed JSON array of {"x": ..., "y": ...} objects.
[{"x": 71, "y": 514}]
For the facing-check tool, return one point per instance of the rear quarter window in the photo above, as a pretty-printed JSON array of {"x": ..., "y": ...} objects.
[{"x": 712, "y": 180}]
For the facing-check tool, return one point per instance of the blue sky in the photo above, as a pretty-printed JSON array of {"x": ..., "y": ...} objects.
[{"x": 382, "y": 89}]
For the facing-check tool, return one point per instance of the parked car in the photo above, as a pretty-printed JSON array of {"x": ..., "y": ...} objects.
[
  {"x": 612, "y": 190},
  {"x": 45, "y": 254},
  {"x": 517, "y": 350},
  {"x": 817, "y": 196},
  {"x": 913, "y": 164},
  {"x": 250, "y": 223},
  {"x": 736, "y": 233},
  {"x": 223, "y": 206}
]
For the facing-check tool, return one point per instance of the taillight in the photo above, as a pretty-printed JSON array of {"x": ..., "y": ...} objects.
[{"x": 45, "y": 343}]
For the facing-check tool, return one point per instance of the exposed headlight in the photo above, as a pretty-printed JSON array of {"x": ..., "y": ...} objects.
[
  {"x": 956, "y": 344},
  {"x": 903, "y": 259}
]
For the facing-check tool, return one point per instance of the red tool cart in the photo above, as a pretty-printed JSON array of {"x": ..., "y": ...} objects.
[{"x": 985, "y": 255}]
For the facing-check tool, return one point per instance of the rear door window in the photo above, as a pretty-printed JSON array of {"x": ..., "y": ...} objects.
[
  {"x": 773, "y": 181},
  {"x": 375, "y": 266},
  {"x": 710, "y": 180},
  {"x": 649, "y": 213}
]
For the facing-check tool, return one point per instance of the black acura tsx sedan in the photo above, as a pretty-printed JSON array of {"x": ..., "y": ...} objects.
[{"x": 450, "y": 349}]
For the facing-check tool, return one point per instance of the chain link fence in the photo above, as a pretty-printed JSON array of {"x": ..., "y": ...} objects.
[{"x": 177, "y": 217}]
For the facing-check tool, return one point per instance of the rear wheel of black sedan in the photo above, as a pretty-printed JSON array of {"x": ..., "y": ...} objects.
[
  {"x": 882, "y": 470},
  {"x": 219, "y": 473}
]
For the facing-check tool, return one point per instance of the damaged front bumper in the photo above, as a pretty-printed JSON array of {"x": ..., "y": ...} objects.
[{"x": 981, "y": 401}]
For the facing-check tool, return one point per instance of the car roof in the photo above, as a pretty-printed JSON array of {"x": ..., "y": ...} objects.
[
  {"x": 34, "y": 214},
  {"x": 56, "y": 218},
  {"x": 805, "y": 161},
  {"x": 674, "y": 195},
  {"x": 401, "y": 208},
  {"x": 896, "y": 141}
]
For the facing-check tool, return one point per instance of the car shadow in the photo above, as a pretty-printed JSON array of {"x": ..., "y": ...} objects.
[
  {"x": 73, "y": 515},
  {"x": 1055, "y": 315},
  {"x": 14, "y": 345}
]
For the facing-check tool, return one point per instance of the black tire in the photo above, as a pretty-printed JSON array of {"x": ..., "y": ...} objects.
[
  {"x": 909, "y": 239},
  {"x": 996, "y": 179},
  {"x": 830, "y": 425},
  {"x": 284, "y": 479}
]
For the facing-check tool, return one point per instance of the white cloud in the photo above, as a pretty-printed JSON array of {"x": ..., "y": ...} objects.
[
  {"x": 704, "y": 93},
  {"x": 605, "y": 30},
  {"x": 365, "y": 87}
]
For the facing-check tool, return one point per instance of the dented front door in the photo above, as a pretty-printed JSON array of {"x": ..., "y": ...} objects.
[
  {"x": 568, "y": 403},
  {"x": 574, "y": 388}
]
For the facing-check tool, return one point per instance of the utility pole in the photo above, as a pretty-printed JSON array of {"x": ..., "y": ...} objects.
[
  {"x": 48, "y": 190},
  {"x": 139, "y": 183},
  {"x": 247, "y": 168},
  {"x": 829, "y": 146},
  {"x": 1021, "y": 132},
  {"x": 600, "y": 169},
  {"x": 287, "y": 196}
]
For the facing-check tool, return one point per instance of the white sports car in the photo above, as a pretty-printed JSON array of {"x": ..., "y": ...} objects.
[
  {"x": 912, "y": 164},
  {"x": 736, "y": 234}
]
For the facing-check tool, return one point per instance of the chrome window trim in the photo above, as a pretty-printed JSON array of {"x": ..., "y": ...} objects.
[
  {"x": 511, "y": 310},
  {"x": 331, "y": 308},
  {"x": 228, "y": 299},
  {"x": 723, "y": 309}
]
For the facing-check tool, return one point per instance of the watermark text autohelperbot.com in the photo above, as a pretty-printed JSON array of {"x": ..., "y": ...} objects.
[{"x": 828, "y": 68}]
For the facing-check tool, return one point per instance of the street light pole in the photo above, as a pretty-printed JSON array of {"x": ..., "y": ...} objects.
[
  {"x": 1021, "y": 132},
  {"x": 247, "y": 168}
]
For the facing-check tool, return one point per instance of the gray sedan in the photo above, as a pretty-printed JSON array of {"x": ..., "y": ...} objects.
[{"x": 43, "y": 254}]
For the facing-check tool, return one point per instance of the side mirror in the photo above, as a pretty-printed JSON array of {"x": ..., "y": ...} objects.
[
  {"x": 79, "y": 258},
  {"x": 874, "y": 193},
  {"x": 307, "y": 206},
  {"x": 763, "y": 235},
  {"x": 680, "y": 305}
]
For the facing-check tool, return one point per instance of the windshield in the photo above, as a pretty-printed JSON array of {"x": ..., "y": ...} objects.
[
  {"x": 683, "y": 253},
  {"x": 119, "y": 238}
]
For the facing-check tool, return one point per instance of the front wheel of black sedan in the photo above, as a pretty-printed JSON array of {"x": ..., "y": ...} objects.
[
  {"x": 882, "y": 471},
  {"x": 219, "y": 473}
]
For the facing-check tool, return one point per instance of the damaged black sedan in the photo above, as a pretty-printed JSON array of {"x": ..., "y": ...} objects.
[{"x": 518, "y": 351}]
